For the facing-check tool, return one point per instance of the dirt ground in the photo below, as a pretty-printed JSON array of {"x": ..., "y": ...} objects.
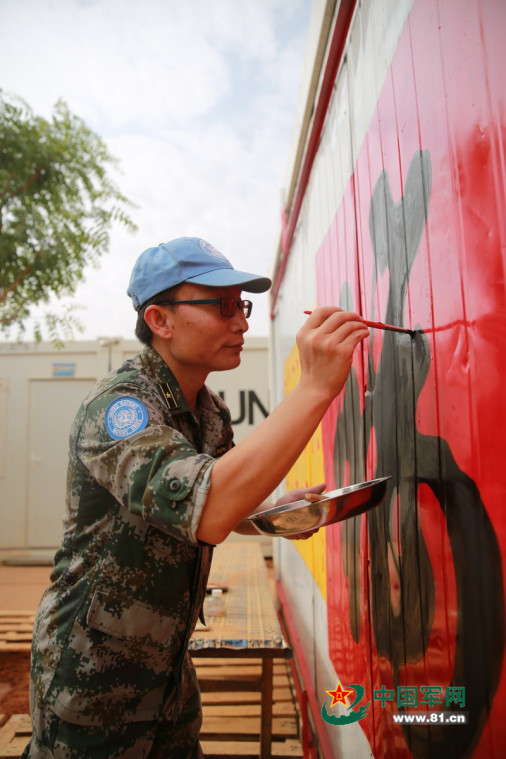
[
  {"x": 21, "y": 588},
  {"x": 14, "y": 679}
]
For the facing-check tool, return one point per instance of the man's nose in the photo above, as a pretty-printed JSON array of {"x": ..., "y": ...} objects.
[{"x": 240, "y": 323}]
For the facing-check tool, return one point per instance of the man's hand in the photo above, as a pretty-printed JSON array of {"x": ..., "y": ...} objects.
[
  {"x": 326, "y": 344},
  {"x": 311, "y": 494},
  {"x": 299, "y": 494}
]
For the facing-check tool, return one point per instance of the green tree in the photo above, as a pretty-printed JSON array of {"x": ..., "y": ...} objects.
[{"x": 57, "y": 206}]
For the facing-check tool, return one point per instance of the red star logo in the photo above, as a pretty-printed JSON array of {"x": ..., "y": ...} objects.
[{"x": 339, "y": 695}]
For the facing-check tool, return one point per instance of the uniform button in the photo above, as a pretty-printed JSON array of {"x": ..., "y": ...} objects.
[{"x": 174, "y": 484}]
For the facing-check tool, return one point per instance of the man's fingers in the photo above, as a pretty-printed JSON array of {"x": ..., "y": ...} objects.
[
  {"x": 319, "y": 315},
  {"x": 313, "y": 497},
  {"x": 343, "y": 326},
  {"x": 302, "y": 535},
  {"x": 329, "y": 318},
  {"x": 315, "y": 488}
]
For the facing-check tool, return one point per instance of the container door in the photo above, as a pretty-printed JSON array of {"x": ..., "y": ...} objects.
[{"x": 53, "y": 406}]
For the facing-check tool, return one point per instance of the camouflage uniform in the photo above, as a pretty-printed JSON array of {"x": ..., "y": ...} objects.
[{"x": 109, "y": 652}]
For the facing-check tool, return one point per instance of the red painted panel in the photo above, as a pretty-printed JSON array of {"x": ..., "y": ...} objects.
[{"x": 416, "y": 590}]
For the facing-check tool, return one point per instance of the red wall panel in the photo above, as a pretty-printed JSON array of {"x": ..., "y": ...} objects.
[{"x": 416, "y": 589}]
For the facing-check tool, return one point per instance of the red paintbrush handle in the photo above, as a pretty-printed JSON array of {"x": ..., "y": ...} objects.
[{"x": 379, "y": 325}]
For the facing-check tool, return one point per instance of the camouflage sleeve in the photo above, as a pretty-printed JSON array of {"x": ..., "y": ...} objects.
[{"x": 149, "y": 467}]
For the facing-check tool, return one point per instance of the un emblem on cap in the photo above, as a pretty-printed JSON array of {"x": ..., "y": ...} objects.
[
  {"x": 212, "y": 250},
  {"x": 124, "y": 417}
]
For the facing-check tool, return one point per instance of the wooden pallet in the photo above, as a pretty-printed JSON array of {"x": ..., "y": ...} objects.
[
  {"x": 231, "y": 709},
  {"x": 14, "y": 735},
  {"x": 231, "y": 718},
  {"x": 16, "y": 630}
]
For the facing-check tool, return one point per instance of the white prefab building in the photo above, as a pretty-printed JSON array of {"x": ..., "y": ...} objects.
[{"x": 41, "y": 389}]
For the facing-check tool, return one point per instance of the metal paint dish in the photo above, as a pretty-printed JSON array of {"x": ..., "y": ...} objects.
[{"x": 334, "y": 506}]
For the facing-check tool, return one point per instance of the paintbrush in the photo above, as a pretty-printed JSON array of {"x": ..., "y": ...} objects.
[{"x": 380, "y": 325}]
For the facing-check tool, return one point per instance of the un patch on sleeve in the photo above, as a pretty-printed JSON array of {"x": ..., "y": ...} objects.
[{"x": 124, "y": 417}]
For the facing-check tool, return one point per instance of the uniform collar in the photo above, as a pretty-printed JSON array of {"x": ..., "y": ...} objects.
[{"x": 155, "y": 366}]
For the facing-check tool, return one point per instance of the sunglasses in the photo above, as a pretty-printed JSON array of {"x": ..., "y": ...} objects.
[{"x": 228, "y": 305}]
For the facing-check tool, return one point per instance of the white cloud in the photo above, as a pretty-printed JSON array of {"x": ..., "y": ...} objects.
[{"x": 197, "y": 100}]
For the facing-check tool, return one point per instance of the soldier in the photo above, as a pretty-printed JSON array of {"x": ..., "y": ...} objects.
[{"x": 154, "y": 482}]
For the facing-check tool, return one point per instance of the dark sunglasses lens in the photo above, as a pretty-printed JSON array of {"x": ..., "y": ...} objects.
[{"x": 228, "y": 306}]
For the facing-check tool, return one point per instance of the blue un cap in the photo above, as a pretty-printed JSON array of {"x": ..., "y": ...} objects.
[{"x": 187, "y": 259}]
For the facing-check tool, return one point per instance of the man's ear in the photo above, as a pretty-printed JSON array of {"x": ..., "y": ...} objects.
[{"x": 157, "y": 321}]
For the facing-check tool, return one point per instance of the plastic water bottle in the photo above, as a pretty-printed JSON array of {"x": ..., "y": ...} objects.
[{"x": 215, "y": 606}]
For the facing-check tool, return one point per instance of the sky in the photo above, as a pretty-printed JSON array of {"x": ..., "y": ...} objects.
[{"x": 195, "y": 98}]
